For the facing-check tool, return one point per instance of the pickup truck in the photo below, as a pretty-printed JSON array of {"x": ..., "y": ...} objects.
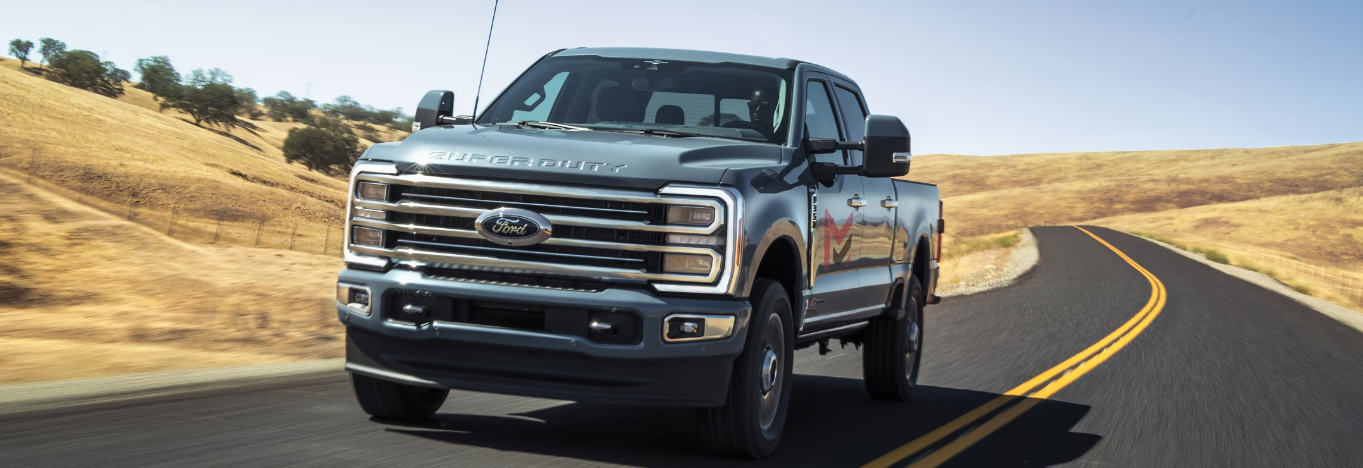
[{"x": 639, "y": 226}]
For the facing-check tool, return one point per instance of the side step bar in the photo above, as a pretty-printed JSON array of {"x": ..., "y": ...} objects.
[{"x": 835, "y": 331}]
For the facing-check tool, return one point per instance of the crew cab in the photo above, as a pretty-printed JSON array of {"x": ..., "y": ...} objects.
[{"x": 639, "y": 226}]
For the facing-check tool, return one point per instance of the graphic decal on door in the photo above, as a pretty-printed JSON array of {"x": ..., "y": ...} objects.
[{"x": 836, "y": 235}]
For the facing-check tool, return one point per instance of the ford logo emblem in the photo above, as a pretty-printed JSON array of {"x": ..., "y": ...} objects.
[{"x": 513, "y": 227}]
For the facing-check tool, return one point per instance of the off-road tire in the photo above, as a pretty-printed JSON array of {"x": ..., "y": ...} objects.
[
  {"x": 737, "y": 428},
  {"x": 391, "y": 400},
  {"x": 890, "y": 362}
]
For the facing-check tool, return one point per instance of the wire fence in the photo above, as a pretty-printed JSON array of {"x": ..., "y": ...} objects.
[
  {"x": 264, "y": 232},
  {"x": 1341, "y": 279}
]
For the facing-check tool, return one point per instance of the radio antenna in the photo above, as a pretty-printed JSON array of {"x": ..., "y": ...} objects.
[{"x": 479, "y": 93}]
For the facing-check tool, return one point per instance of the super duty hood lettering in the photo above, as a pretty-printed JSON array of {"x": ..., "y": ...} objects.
[{"x": 566, "y": 164}]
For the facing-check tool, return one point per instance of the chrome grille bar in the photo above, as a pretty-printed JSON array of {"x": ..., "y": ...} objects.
[{"x": 531, "y": 205}]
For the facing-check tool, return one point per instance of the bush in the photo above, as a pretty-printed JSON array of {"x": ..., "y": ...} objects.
[
  {"x": 1216, "y": 256},
  {"x": 213, "y": 103},
  {"x": 83, "y": 69},
  {"x": 326, "y": 145}
]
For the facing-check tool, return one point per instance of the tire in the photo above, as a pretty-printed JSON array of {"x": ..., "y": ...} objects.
[
  {"x": 390, "y": 400},
  {"x": 750, "y": 423},
  {"x": 890, "y": 362}
]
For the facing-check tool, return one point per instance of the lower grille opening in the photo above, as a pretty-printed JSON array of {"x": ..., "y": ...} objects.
[{"x": 598, "y": 326}]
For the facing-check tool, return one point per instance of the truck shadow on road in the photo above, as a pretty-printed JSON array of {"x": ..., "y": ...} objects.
[{"x": 832, "y": 423}]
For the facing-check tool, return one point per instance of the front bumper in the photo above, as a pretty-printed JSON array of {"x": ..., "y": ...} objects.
[{"x": 482, "y": 358}]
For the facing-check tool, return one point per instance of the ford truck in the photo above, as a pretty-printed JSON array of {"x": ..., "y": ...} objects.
[{"x": 639, "y": 226}]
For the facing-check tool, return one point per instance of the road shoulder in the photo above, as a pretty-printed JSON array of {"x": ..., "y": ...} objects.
[
  {"x": 1340, "y": 313},
  {"x": 39, "y": 396}
]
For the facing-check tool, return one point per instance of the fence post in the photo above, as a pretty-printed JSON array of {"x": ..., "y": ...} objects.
[
  {"x": 293, "y": 235},
  {"x": 326, "y": 242},
  {"x": 216, "y": 227},
  {"x": 260, "y": 227},
  {"x": 171, "y": 226}
]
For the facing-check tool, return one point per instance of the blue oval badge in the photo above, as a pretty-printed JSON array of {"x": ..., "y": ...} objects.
[{"x": 513, "y": 227}]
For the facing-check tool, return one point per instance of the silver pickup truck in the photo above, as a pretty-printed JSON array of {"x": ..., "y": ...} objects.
[{"x": 639, "y": 226}]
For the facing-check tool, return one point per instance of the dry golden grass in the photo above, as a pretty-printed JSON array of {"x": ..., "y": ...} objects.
[
  {"x": 973, "y": 260},
  {"x": 89, "y": 294},
  {"x": 987, "y": 194}
]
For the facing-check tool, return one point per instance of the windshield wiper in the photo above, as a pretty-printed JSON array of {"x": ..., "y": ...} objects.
[
  {"x": 548, "y": 125},
  {"x": 669, "y": 133}
]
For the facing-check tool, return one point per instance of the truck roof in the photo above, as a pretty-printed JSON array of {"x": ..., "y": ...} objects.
[{"x": 681, "y": 54}]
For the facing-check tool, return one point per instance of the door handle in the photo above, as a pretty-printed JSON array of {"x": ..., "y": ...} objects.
[
  {"x": 856, "y": 201},
  {"x": 889, "y": 203}
]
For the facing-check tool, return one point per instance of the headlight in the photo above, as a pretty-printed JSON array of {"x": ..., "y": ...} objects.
[
  {"x": 687, "y": 264},
  {"x": 690, "y": 215},
  {"x": 373, "y": 191},
  {"x": 368, "y": 236}
]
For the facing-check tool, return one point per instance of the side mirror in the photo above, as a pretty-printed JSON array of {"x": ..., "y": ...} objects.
[
  {"x": 885, "y": 147},
  {"x": 435, "y": 108}
]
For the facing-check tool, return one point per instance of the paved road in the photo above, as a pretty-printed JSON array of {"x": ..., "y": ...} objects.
[{"x": 1227, "y": 375}]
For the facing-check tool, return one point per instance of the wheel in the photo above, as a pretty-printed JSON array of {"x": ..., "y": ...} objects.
[
  {"x": 889, "y": 364},
  {"x": 392, "y": 400},
  {"x": 750, "y": 423}
]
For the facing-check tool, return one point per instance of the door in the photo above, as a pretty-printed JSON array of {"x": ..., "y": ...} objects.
[
  {"x": 837, "y": 220},
  {"x": 878, "y": 216}
]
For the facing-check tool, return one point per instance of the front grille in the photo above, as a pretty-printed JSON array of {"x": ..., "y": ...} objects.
[{"x": 598, "y": 235}]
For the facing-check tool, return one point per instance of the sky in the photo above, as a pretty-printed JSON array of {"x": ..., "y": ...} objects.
[{"x": 966, "y": 77}]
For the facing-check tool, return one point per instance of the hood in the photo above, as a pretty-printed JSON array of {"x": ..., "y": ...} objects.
[{"x": 591, "y": 158}]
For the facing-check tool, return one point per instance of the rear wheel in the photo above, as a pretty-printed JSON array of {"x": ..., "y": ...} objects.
[
  {"x": 750, "y": 423},
  {"x": 889, "y": 364},
  {"x": 392, "y": 400}
]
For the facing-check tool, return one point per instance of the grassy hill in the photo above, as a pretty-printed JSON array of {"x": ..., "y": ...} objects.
[{"x": 1300, "y": 203}]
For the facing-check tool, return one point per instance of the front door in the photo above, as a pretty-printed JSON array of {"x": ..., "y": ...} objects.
[
  {"x": 878, "y": 216},
  {"x": 837, "y": 219}
]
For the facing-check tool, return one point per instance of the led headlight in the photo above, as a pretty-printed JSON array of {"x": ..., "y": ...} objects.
[
  {"x": 373, "y": 191},
  {"x": 691, "y": 239},
  {"x": 367, "y": 236},
  {"x": 688, "y": 264},
  {"x": 691, "y": 215},
  {"x": 371, "y": 214}
]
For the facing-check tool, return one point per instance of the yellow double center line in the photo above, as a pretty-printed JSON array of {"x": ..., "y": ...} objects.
[{"x": 1031, "y": 392}]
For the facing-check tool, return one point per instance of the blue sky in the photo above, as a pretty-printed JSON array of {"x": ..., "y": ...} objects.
[{"x": 993, "y": 77}]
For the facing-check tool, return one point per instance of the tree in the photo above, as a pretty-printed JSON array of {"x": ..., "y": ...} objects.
[
  {"x": 83, "y": 69},
  {"x": 284, "y": 106},
  {"x": 247, "y": 98},
  {"x": 158, "y": 76},
  {"x": 199, "y": 77},
  {"x": 325, "y": 145},
  {"x": 50, "y": 48},
  {"x": 211, "y": 103},
  {"x": 19, "y": 48}
]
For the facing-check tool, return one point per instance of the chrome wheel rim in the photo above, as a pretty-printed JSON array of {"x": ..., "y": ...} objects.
[
  {"x": 911, "y": 353},
  {"x": 769, "y": 372}
]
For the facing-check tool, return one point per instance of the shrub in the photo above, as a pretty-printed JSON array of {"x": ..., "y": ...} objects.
[
  {"x": 326, "y": 145},
  {"x": 83, "y": 69},
  {"x": 1216, "y": 256}
]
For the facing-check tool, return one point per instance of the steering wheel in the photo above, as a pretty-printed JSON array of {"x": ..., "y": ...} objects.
[{"x": 736, "y": 123}]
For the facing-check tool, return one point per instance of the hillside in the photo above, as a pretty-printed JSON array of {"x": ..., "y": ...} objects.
[
  {"x": 125, "y": 155},
  {"x": 91, "y": 294},
  {"x": 1300, "y": 204}
]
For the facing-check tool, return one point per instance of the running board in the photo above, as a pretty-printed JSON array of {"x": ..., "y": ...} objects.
[{"x": 831, "y": 332}]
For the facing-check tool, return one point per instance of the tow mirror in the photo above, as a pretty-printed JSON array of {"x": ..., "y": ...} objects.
[
  {"x": 885, "y": 147},
  {"x": 437, "y": 108}
]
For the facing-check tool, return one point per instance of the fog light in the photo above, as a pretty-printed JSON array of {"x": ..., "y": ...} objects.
[
  {"x": 692, "y": 215},
  {"x": 686, "y": 327},
  {"x": 368, "y": 236},
  {"x": 371, "y": 214},
  {"x": 373, "y": 191},
  {"x": 687, "y": 264},
  {"x": 353, "y": 297}
]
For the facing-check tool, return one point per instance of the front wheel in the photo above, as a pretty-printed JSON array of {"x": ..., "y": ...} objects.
[
  {"x": 889, "y": 364},
  {"x": 750, "y": 422},
  {"x": 392, "y": 400}
]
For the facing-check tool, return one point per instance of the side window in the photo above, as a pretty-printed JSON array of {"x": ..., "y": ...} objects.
[
  {"x": 537, "y": 106},
  {"x": 821, "y": 122},
  {"x": 852, "y": 116}
]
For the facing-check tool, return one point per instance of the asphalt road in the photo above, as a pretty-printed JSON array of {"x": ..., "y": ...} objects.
[{"x": 1228, "y": 374}]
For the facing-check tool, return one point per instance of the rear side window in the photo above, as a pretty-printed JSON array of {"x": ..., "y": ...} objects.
[
  {"x": 853, "y": 117},
  {"x": 821, "y": 122}
]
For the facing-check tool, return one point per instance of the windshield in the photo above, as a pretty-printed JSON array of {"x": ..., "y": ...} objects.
[{"x": 637, "y": 94}]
